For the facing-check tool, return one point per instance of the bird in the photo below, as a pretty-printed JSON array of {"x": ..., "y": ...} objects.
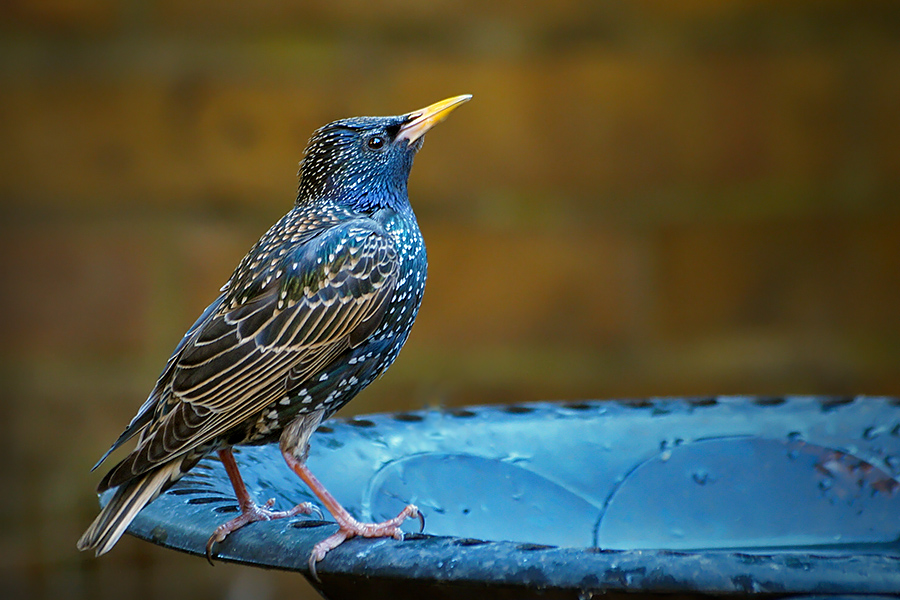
[{"x": 317, "y": 309}]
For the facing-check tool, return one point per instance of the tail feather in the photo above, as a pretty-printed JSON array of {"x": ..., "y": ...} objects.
[{"x": 125, "y": 504}]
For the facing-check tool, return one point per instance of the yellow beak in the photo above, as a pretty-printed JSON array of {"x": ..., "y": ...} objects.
[{"x": 420, "y": 121}]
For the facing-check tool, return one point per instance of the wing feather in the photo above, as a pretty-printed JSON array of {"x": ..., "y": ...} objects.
[{"x": 252, "y": 350}]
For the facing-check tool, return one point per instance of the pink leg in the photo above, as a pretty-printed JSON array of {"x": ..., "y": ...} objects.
[
  {"x": 348, "y": 526},
  {"x": 250, "y": 512}
]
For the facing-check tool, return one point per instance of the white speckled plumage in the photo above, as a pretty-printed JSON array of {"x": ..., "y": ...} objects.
[{"x": 316, "y": 310}]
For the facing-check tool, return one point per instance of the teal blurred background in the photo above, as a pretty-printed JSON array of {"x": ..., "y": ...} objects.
[{"x": 643, "y": 198}]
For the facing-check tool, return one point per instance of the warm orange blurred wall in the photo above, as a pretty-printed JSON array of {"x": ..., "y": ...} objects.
[{"x": 644, "y": 198}]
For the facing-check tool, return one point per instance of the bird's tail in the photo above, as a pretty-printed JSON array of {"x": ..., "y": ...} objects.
[{"x": 125, "y": 504}]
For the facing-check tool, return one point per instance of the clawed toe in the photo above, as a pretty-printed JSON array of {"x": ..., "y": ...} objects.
[
  {"x": 421, "y": 516},
  {"x": 251, "y": 513},
  {"x": 350, "y": 527}
]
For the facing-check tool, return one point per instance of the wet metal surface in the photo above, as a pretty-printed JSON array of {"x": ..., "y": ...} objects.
[{"x": 793, "y": 495}]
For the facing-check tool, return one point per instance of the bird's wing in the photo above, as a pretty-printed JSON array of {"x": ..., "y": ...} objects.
[{"x": 324, "y": 296}]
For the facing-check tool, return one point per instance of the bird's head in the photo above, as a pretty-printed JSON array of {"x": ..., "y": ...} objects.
[{"x": 363, "y": 163}]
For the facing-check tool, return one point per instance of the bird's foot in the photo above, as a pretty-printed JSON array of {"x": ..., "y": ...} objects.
[
  {"x": 251, "y": 513},
  {"x": 350, "y": 527}
]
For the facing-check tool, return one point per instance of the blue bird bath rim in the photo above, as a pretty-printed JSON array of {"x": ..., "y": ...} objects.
[{"x": 770, "y": 496}]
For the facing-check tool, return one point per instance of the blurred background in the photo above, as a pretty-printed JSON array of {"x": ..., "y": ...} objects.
[{"x": 644, "y": 198}]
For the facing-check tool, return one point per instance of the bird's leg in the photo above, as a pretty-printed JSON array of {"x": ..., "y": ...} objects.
[
  {"x": 250, "y": 511},
  {"x": 348, "y": 526}
]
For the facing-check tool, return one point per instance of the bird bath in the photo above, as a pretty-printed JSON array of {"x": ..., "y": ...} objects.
[{"x": 794, "y": 496}]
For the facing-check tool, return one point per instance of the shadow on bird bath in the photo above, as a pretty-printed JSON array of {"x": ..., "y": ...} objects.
[{"x": 691, "y": 496}]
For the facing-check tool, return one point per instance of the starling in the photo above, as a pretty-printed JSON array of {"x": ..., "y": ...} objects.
[{"x": 318, "y": 308}]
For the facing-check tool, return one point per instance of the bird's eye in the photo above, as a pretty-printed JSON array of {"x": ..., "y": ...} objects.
[{"x": 376, "y": 142}]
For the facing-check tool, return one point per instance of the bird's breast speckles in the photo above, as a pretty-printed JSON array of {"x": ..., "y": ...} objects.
[{"x": 410, "y": 286}]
